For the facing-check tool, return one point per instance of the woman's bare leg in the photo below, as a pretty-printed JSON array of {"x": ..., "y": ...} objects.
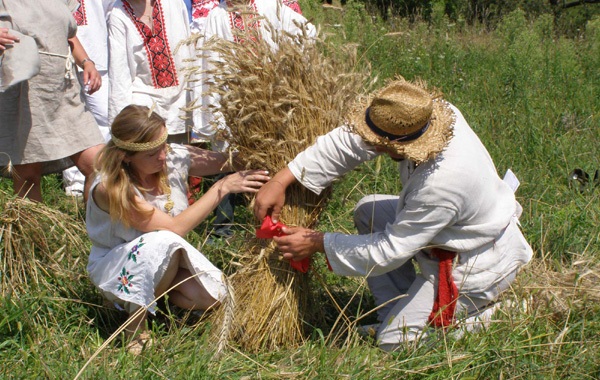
[
  {"x": 27, "y": 181},
  {"x": 137, "y": 324},
  {"x": 167, "y": 280},
  {"x": 84, "y": 161},
  {"x": 190, "y": 294}
]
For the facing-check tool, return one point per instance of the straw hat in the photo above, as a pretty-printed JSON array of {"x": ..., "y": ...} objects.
[{"x": 407, "y": 119}]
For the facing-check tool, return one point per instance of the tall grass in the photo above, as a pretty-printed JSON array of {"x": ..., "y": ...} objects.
[{"x": 532, "y": 97}]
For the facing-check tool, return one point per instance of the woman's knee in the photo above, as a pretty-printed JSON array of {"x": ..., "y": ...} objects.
[{"x": 84, "y": 160}]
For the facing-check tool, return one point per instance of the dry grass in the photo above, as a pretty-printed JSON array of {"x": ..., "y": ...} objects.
[
  {"x": 572, "y": 288},
  {"x": 41, "y": 248},
  {"x": 275, "y": 104}
]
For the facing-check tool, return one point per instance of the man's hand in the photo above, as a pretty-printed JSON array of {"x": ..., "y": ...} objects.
[
  {"x": 299, "y": 243},
  {"x": 271, "y": 197}
]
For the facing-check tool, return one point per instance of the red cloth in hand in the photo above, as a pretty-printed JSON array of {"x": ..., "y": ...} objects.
[
  {"x": 444, "y": 304},
  {"x": 268, "y": 230}
]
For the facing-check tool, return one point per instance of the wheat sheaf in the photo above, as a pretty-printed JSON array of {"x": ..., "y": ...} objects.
[{"x": 275, "y": 103}]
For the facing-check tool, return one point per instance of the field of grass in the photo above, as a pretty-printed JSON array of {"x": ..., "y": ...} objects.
[{"x": 534, "y": 100}]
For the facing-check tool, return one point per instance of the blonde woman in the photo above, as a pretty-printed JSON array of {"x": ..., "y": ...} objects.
[{"x": 138, "y": 216}]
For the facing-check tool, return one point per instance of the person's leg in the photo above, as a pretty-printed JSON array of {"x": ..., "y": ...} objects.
[
  {"x": 371, "y": 214},
  {"x": 84, "y": 161},
  {"x": 408, "y": 316},
  {"x": 224, "y": 212},
  {"x": 74, "y": 181},
  {"x": 97, "y": 104},
  {"x": 189, "y": 293},
  {"x": 137, "y": 324},
  {"x": 27, "y": 181},
  {"x": 408, "y": 319},
  {"x": 389, "y": 287},
  {"x": 166, "y": 281}
]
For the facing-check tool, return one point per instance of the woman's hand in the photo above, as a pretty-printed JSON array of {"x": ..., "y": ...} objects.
[
  {"x": 247, "y": 181},
  {"x": 6, "y": 40},
  {"x": 91, "y": 77}
]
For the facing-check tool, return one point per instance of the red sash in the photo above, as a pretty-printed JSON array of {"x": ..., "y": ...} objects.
[{"x": 444, "y": 304}]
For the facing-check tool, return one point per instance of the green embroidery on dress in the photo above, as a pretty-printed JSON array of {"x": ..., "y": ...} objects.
[
  {"x": 124, "y": 281},
  {"x": 134, "y": 251}
]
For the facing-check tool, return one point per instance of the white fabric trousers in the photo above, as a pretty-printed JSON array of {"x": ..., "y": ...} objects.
[{"x": 404, "y": 297}]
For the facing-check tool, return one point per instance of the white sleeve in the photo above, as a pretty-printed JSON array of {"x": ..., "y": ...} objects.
[
  {"x": 107, "y": 5},
  {"x": 380, "y": 252},
  {"x": 331, "y": 156},
  {"x": 293, "y": 22},
  {"x": 119, "y": 75}
]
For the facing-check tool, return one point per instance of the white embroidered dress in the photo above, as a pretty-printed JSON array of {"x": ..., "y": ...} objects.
[
  {"x": 147, "y": 66},
  {"x": 126, "y": 265}
]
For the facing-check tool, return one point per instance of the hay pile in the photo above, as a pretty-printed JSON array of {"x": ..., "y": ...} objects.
[
  {"x": 275, "y": 104},
  {"x": 40, "y": 248},
  {"x": 575, "y": 287}
]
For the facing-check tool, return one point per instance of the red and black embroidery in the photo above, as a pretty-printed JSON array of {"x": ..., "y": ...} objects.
[
  {"x": 157, "y": 47},
  {"x": 79, "y": 14},
  {"x": 244, "y": 25}
]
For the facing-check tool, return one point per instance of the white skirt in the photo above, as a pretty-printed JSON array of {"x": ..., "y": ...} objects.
[{"x": 128, "y": 274}]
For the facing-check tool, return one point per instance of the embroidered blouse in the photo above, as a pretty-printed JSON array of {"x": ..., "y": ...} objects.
[{"x": 147, "y": 64}]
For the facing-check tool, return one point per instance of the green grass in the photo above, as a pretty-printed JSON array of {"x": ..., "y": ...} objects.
[{"x": 533, "y": 98}]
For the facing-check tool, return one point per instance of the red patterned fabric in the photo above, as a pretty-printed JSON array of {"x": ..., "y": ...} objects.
[
  {"x": 268, "y": 230},
  {"x": 200, "y": 8},
  {"x": 157, "y": 46},
  {"x": 247, "y": 24},
  {"x": 444, "y": 305},
  {"x": 194, "y": 187},
  {"x": 79, "y": 14},
  {"x": 294, "y": 5}
]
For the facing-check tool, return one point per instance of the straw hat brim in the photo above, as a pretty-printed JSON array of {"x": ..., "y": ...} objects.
[{"x": 426, "y": 147}]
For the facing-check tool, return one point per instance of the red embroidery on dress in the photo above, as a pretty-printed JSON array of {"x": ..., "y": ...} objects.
[
  {"x": 201, "y": 8},
  {"x": 294, "y": 5},
  {"x": 239, "y": 22},
  {"x": 157, "y": 47},
  {"x": 79, "y": 14}
]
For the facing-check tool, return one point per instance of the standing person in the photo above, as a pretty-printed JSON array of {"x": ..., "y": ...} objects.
[
  {"x": 240, "y": 21},
  {"x": 93, "y": 34},
  {"x": 45, "y": 127},
  {"x": 201, "y": 9},
  {"x": 147, "y": 60},
  {"x": 454, "y": 215},
  {"x": 138, "y": 215}
]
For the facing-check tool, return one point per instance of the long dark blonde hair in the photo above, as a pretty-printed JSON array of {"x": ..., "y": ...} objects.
[{"x": 134, "y": 124}]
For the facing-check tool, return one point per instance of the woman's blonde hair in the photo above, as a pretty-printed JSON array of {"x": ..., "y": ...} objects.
[{"x": 134, "y": 124}]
